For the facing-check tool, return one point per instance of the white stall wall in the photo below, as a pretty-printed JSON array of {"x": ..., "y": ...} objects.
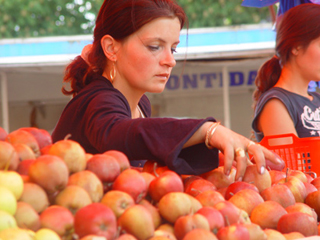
[{"x": 195, "y": 89}]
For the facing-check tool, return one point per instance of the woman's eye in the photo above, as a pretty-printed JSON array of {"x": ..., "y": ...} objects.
[
  {"x": 173, "y": 50},
  {"x": 153, "y": 48}
]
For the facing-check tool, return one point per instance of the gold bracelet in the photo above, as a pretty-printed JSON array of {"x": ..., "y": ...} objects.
[{"x": 210, "y": 133}]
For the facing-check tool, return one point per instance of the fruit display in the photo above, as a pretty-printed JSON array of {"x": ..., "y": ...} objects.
[{"x": 57, "y": 191}]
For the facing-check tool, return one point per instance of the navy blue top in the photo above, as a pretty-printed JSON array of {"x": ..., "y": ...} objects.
[
  {"x": 99, "y": 118},
  {"x": 304, "y": 113}
]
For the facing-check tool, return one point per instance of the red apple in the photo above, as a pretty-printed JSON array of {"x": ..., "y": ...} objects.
[
  {"x": 218, "y": 177},
  {"x": 50, "y": 172},
  {"x": 261, "y": 181},
  {"x": 153, "y": 210},
  {"x": 137, "y": 221},
  {"x": 199, "y": 233},
  {"x": 148, "y": 177},
  {"x": 246, "y": 199},
  {"x": 316, "y": 182},
  {"x": 293, "y": 235},
  {"x": 73, "y": 197},
  {"x": 279, "y": 193},
  {"x": 23, "y": 167},
  {"x": 42, "y": 136},
  {"x": 3, "y": 134},
  {"x": 310, "y": 176},
  {"x": 95, "y": 218},
  {"x": 24, "y": 151},
  {"x": 161, "y": 234},
  {"x": 124, "y": 236},
  {"x": 9, "y": 158},
  {"x": 214, "y": 217},
  {"x": 313, "y": 200},
  {"x": 105, "y": 167},
  {"x": 209, "y": 198},
  {"x": 299, "y": 174},
  {"x": 90, "y": 182},
  {"x": 298, "y": 222},
  {"x": 71, "y": 152},
  {"x": 25, "y": 137},
  {"x": 236, "y": 231},
  {"x": 58, "y": 219},
  {"x": 231, "y": 213},
  {"x": 267, "y": 214},
  {"x": 235, "y": 187},
  {"x": 121, "y": 158},
  {"x": 117, "y": 201},
  {"x": 255, "y": 231},
  {"x": 168, "y": 181},
  {"x": 198, "y": 186},
  {"x": 296, "y": 186},
  {"x": 188, "y": 180},
  {"x": 153, "y": 167},
  {"x": 303, "y": 207},
  {"x": 310, "y": 187},
  {"x": 276, "y": 176},
  {"x": 274, "y": 234},
  {"x": 35, "y": 195},
  {"x": 185, "y": 224},
  {"x": 132, "y": 182}
]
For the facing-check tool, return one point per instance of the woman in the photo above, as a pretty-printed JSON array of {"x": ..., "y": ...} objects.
[
  {"x": 132, "y": 53},
  {"x": 283, "y": 103}
]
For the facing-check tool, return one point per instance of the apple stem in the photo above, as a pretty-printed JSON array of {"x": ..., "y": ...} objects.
[
  {"x": 227, "y": 220},
  {"x": 67, "y": 136},
  {"x": 287, "y": 174},
  {"x": 154, "y": 169}
]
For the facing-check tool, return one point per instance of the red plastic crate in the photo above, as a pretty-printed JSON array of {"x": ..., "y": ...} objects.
[{"x": 298, "y": 153}]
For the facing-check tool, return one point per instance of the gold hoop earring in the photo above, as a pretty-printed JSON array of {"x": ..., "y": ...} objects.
[{"x": 113, "y": 72}]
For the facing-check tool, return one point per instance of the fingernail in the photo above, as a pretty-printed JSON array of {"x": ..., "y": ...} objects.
[
  {"x": 227, "y": 172},
  {"x": 262, "y": 170},
  {"x": 239, "y": 179},
  {"x": 279, "y": 160}
]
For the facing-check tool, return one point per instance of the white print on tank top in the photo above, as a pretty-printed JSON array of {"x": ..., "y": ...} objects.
[{"x": 311, "y": 120}]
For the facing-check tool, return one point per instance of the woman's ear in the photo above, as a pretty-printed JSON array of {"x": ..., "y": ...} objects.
[{"x": 110, "y": 47}]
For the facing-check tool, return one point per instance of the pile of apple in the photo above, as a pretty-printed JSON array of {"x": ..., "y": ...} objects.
[{"x": 52, "y": 191}]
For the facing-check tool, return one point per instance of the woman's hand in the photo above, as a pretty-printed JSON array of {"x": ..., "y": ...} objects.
[{"x": 236, "y": 147}]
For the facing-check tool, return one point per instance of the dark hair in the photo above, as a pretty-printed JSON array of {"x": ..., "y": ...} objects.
[
  {"x": 297, "y": 27},
  {"x": 119, "y": 19}
]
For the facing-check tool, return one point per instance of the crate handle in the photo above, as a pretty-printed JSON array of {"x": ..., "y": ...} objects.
[{"x": 276, "y": 140}]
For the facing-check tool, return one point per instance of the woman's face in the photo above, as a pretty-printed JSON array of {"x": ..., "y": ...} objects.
[
  {"x": 309, "y": 60},
  {"x": 145, "y": 59}
]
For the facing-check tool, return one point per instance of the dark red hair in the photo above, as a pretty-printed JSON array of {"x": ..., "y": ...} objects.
[
  {"x": 118, "y": 19},
  {"x": 297, "y": 27}
]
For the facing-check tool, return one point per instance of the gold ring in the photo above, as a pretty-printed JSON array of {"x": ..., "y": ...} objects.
[
  {"x": 240, "y": 152},
  {"x": 250, "y": 143}
]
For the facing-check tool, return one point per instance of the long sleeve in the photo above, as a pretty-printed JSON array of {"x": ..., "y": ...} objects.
[{"x": 99, "y": 119}]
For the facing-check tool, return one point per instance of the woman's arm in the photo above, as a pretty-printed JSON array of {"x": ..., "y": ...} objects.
[
  {"x": 275, "y": 119},
  {"x": 234, "y": 147}
]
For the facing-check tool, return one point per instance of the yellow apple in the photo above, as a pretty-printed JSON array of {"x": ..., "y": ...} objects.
[
  {"x": 7, "y": 220},
  {"x": 27, "y": 217},
  {"x": 46, "y": 234},
  {"x": 72, "y": 153},
  {"x": 12, "y": 181},
  {"x": 8, "y": 201},
  {"x": 9, "y": 158},
  {"x": 16, "y": 234},
  {"x": 36, "y": 196}
]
